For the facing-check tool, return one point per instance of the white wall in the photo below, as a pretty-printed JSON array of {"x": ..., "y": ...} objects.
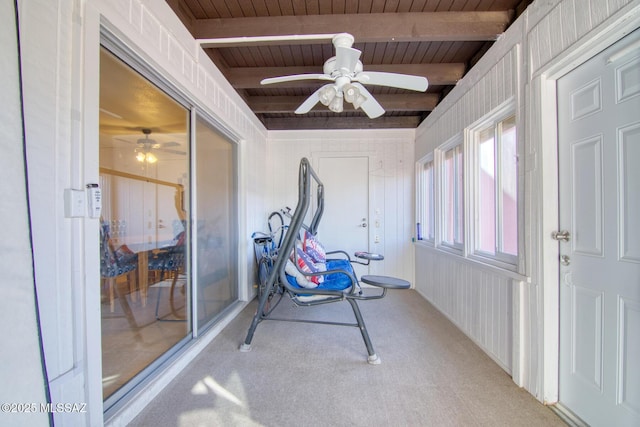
[
  {"x": 550, "y": 38},
  {"x": 391, "y": 179},
  {"x": 21, "y": 373},
  {"x": 60, "y": 57},
  {"x": 478, "y": 299}
]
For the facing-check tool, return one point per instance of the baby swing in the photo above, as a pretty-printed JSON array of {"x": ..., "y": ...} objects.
[{"x": 292, "y": 262}]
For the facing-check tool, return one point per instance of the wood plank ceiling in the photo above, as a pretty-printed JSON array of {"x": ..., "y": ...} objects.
[{"x": 438, "y": 39}]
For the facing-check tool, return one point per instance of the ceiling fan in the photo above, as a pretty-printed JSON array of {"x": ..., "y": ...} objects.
[
  {"x": 143, "y": 150},
  {"x": 145, "y": 147},
  {"x": 347, "y": 77}
]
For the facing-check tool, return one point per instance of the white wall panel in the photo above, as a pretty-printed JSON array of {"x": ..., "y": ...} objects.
[
  {"x": 21, "y": 373},
  {"x": 49, "y": 170},
  {"x": 474, "y": 299}
]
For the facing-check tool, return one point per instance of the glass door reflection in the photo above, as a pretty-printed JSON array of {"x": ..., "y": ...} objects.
[
  {"x": 144, "y": 235},
  {"x": 217, "y": 218}
]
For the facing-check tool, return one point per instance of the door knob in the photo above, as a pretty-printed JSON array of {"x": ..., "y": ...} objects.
[
  {"x": 561, "y": 236},
  {"x": 364, "y": 223},
  {"x": 565, "y": 260}
]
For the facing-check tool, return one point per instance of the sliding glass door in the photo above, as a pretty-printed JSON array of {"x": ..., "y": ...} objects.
[
  {"x": 144, "y": 169},
  {"x": 168, "y": 229},
  {"x": 215, "y": 160}
]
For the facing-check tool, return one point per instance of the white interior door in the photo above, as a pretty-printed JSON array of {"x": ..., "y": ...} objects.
[
  {"x": 599, "y": 163},
  {"x": 345, "y": 222}
]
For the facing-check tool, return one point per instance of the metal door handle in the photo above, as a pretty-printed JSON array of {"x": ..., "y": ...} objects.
[
  {"x": 565, "y": 260},
  {"x": 561, "y": 236},
  {"x": 364, "y": 223}
]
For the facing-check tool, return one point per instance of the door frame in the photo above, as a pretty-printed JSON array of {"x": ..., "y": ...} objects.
[
  {"x": 95, "y": 29},
  {"x": 544, "y": 108}
]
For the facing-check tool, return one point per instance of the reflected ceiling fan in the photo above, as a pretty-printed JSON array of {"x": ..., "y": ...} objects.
[
  {"x": 347, "y": 77},
  {"x": 145, "y": 146}
]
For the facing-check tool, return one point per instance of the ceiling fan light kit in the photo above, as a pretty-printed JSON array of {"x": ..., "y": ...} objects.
[
  {"x": 327, "y": 93},
  {"x": 146, "y": 157},
  {"x": 336, "y": 104},
  {"x": 352, "y": 95},
  {"x": 346, "y": 72}
]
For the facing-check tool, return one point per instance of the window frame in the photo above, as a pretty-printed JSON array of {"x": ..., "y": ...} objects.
[
  {"x": 468, "y": 141},
  {"x": 493, "y": 121},
  {"x": 426, "y": 200},
  {"x": 454, "y": 143}
]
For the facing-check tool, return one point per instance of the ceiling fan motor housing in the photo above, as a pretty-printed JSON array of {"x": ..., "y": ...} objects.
[{"x": 330, "y": 69}]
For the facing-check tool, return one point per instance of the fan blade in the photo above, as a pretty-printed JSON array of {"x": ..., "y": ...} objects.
[
  {"x": 169, "y": 150},
  {"x": 347, "y": 59},
  {"x": 309, "y": 103},
  {"x": 170, "y": 144},
  {"x": 371, "y": 107},
  {"x": 400, "y": 81},
  {"x": 295, "y": 77},
  {"x": 148, "y": 141}
]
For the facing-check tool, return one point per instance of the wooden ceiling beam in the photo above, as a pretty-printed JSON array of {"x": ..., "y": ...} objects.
[
  {"x": 250, "y": 77},
  {"x": 365, "y": 27},
  {"x": 288, "y": 104},
  {"x": 293, "y": 123}
]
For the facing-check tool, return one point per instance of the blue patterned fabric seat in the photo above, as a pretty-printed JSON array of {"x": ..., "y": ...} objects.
[
  {"x": 156, "y": 261},
  {"x": 169, "y": 259},
  {"x": 169, "y": 262},
  {"x": 115, "y": 263}
]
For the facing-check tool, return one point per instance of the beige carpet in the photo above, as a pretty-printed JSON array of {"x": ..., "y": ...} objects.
[{"x": 316, "y": 375}]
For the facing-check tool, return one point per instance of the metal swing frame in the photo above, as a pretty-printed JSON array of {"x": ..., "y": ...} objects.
[{"x": 277, "y": 283}]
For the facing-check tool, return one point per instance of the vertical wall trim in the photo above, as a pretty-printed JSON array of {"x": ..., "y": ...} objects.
[{"x": 91, "y": 248}]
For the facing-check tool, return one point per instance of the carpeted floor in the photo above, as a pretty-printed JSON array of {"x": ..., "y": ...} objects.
[{"x": 316, "y": 375}]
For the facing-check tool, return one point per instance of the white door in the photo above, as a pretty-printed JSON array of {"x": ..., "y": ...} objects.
[
  {"x": 599, "y": 163},
  {"x": 345, "y": 221}
]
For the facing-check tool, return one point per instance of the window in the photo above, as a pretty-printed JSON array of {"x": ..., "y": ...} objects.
[
  {"x": 467, "y": 193},
  {"x": 496, "y": 190},
  {"x": 452, "y": 196},
  {"x": 426, "y": 199},
  {"x": 470, "y": 207}
]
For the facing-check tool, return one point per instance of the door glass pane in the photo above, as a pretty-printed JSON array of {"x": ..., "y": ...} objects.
[
  {"x": 216, "y": 231},
  {"x": 144, "y": 159}
]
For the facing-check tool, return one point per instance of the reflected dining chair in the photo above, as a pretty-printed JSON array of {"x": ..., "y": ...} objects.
[
  {"x": 169, "y": 262},
  {"x": 115, "y": 264}
]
